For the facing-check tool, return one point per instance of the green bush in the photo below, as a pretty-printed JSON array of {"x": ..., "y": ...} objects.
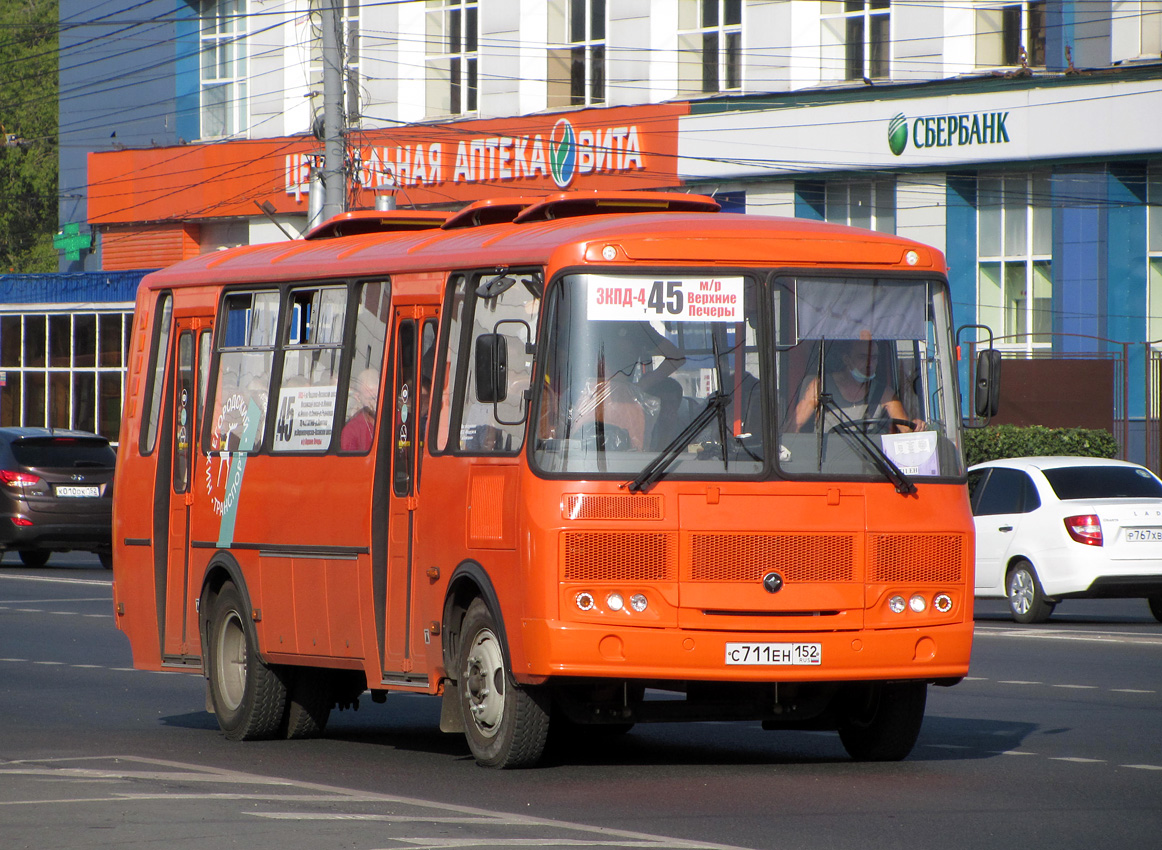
[{"x": 1000, "y": 441}]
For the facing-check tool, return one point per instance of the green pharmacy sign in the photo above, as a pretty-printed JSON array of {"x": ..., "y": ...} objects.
[{"x": 71, "y": 241}]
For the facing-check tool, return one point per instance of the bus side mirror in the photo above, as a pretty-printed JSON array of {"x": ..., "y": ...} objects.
[
  {"x": 987, "y": 394},
  {"x": 491, "y": 361}
]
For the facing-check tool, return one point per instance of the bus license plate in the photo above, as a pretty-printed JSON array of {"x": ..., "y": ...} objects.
[
  {"x": 83, "y": 492},
  {"x": 775, "y": 654},
  {"x": 1143, "y": 535}
]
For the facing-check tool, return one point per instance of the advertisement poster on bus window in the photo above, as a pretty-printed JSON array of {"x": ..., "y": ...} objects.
[
  {"x": 305, "y": 419},
  {"x": 668, "y": 299}
]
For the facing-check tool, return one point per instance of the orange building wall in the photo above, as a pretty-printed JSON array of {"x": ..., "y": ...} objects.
[{"x": 148, "y": 246}]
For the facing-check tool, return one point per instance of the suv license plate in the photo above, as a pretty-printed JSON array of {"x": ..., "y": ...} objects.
[
  {"x": 84, "y": 492},
  {"x": 775, "y": 654}
]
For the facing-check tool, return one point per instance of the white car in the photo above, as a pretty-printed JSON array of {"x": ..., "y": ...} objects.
[{"x": 1053, "y": 528}]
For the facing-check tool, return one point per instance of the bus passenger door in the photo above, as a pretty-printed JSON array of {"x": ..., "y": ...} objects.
[
  {"x": 413, "y": 353},
  {"x": 188, "y": 365}
]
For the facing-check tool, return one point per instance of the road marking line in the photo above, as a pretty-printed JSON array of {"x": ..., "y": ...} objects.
[
  {"x": 1077, "y": 687},
  {"x": 1017, "y": 682},
  {"x": 1131, "y": 691},
  {"x": 1018, "y": 753},
  {"x": 443, "y": 843},
  {"x": 1077, "y": 759},
  {"x": 59, "y": 601},
  {"x": 1143, "y": 766},
  {"x": 96, "y": 582},
  {"x": 460, "y": 819},
  {"x": 1060, "y": 634},
  {"x": 185, "y": 773}
]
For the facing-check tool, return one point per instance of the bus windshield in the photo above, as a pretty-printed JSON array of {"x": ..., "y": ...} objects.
[
  {"x": 680, "y": 373},
  {"x": 632, "y": 361},
  {"x": 865, "y": 365}
]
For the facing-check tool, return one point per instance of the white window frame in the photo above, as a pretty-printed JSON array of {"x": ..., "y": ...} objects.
[
  {"x": 837, "y": 45},
  {"x": 223, "y": 74},
  {"x": 990, "y": 34},
  {"x": 1154, "y": 257},
  {"x": 1024, "y": 244},
  {"x": 870, "y": 204},
  {"x": 590, "y": 46},
  {"x": 87, "y": 363},
  {"x": 350, "y": 51},
  {"x": 694, "y": 46},
  {"x": 453, "y": 61}
]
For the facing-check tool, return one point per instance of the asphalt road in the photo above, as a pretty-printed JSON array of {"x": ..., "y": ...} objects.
[{"x": 1054, "y": 741}]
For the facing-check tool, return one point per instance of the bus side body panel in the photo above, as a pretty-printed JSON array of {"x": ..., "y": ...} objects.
[
  {"x": 145, "y": 596},
  {"x": 135, "y": 595}
]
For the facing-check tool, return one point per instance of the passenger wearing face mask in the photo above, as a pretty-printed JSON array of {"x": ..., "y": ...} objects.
[{"x": 852, "y": 384}]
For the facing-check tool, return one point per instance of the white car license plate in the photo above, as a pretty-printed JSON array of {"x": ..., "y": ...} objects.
[
  {"x": 775, "y": 654},
  {"x": 83, "y": 492},
  {"x": 1144, "y": 535}
]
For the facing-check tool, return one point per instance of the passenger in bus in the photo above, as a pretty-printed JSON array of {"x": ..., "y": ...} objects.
[
  {"x": 856, "y": 387},
  {"x": 359, "y": 429},
  {"x": 632, "y": 400}
]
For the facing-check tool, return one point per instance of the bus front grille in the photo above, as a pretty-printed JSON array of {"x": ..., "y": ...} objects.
[
  {"x": 620, "y": 556},
  {"x": 916, "y": 557},
  {"x": 737, "y": 557}
]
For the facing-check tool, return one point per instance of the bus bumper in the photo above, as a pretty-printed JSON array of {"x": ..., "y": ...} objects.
[{"x": 556, "y": 648}]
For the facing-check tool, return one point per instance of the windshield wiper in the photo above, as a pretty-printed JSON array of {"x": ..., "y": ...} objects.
[
  {"x": 851, "y": 432},
  {"x": 656, "y": 468}
]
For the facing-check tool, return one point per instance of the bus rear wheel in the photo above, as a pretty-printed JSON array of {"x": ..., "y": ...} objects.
[
  {"x": 506, "y": 725},
  {"x": 883, "y": 722},
  {"x": 248, "y": 695},
  {"x": 310, "y": 696}
]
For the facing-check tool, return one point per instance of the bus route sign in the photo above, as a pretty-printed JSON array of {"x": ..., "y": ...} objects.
[{"x": 668, "y": 299}]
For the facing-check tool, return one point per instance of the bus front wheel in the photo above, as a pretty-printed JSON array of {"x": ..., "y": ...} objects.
[
  {"x": 883, "y": 721},
  {"x": 248, "y": 695},
  {"x": 506, "y": 725}
]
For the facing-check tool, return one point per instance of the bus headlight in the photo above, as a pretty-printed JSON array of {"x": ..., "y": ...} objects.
[
  {"x": 942, "y": 603},
  {"x": 614, "y": 602},
  {"x": 897, "y": 604},
  {"x": 918, "y": 603},
  {"x": 585, "y": 601},
  {"x": 638, "y": 602}
]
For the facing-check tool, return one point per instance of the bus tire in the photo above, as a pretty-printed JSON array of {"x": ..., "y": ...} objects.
[
  {"x": 883, "y": 723},
  {"x": 506, "y": 725},
  {"x": 309, "y": 700},
  {"x": 249, "y": 696}
]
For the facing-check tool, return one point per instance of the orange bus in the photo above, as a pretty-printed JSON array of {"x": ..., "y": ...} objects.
[{"x": 573, "y": 461}]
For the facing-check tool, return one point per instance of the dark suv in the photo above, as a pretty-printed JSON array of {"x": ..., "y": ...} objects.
[{"x": 56, "y": 493}]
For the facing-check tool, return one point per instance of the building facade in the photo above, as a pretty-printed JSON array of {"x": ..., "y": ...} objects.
[{"x": 1023, "y": 139}]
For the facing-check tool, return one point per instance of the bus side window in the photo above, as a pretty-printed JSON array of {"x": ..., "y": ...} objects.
[
  {"x": 446, "y": 413},
  {"x": 246, "y": 351},
  {"x": 506, "y": 309},
  {"x": 310, "y": 369},
  {"x": 205, "y": 341},
  {"x": 403, "y": 424},
  {"x": 361, "y": 401},
  {"x": 152, "y": 413},
  {"x": 427, "y": 366}
]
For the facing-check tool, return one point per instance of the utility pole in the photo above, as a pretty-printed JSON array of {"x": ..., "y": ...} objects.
[{"x": 334, "y": 176}]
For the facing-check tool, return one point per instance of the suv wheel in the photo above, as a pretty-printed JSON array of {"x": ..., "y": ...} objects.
[{"x": 34, "y": 558}]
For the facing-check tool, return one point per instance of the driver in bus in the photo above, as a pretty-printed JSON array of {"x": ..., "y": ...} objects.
[
  {"x": 853, "y": 387},
  {"x": 632, "y": 401}
]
